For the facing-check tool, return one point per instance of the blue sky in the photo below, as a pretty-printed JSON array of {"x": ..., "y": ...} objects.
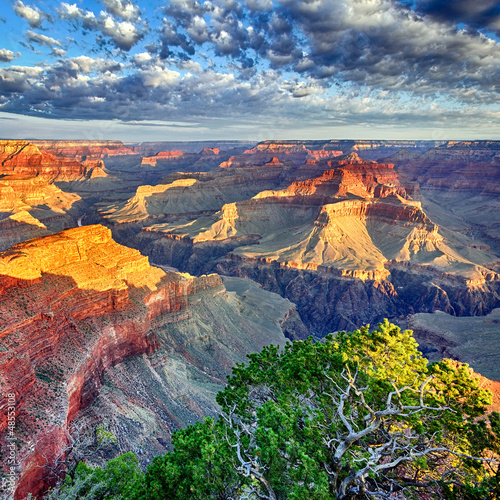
[{"x": 252, "y": 69}]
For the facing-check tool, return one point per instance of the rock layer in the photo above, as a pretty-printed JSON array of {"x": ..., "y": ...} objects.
[
  {"x": 354, "y": 220},
  {"x": 74, "y": 305}
]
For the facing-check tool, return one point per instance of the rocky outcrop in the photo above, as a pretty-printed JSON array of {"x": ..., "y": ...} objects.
[
  {"x": 355, "y": 227},
  {"x": 76, "y": 304},
  {"x": 21, "y": 158},
  {"x": 162, "y": 156}
]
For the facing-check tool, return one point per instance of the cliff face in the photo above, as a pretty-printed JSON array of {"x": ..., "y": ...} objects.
[
  {"x": 462, "y": 179},
  {"x": 82, "y": 150},
  {"x": 21, "y": 158},
  {"x": 74, "y": 305},
  {"x": 354, "y": 219}
]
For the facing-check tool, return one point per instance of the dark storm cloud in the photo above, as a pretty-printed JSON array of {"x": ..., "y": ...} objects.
[{"x": 477, "y": 14}]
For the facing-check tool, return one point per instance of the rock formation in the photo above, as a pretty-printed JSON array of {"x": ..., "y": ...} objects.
[
  {"x": 461, "y": 181},
  {"x": 356, "y": 228},
  {"x": 76, "y": 304}
]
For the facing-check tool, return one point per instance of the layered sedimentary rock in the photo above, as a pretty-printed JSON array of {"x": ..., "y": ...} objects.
[
  {"x": 21, "y": 158},
  {"x": 365, "y": 148},
  {"x": 355, "y": 228},
  {"x": 460, "y": 182},
  {"x": 74, "y": 305},
  {"x": 82, "y": 150},
  {"x": 197, "y": 193}
]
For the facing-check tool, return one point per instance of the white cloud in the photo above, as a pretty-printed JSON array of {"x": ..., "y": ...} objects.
[
  {"x": 124, "y": 34},
  {"x": 42, "y": 39},
  {"x": 142, "y": 58},
  {"x": 34, "y": 16},
  {"x": 126, "y": 10},
  {"x": 157, "y": 77},
  {"x": 7, "y": 55}
]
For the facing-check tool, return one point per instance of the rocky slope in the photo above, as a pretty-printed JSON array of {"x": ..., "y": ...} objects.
[
  {"x": 460, "y": 184},
  {"x": 76, "y": 306},
  {"x": 472, "y": 340},
  {"x": 346, "y": 239}
]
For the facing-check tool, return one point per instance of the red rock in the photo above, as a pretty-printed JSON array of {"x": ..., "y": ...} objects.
[{"x": 80, "y": 297}]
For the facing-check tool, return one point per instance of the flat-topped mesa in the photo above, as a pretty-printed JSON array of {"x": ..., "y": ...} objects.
[
  {"x": 73, "y": 305},
  {"x": 274, "y": 147},
  {"x": 162, "y": 156},
  {"x": 87, "y": 255}
]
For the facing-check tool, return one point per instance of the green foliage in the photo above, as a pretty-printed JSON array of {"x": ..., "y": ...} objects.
[
  {"x": 104, "y": 437},
  {"x": 360, "y": 415},
  {"x": 200, "y": 468},
  {"x": 121, "y": 479}
]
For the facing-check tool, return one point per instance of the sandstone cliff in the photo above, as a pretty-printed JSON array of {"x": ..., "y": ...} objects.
[
  {"x": 76, "y": 304},
  {"x": 355, "y": 220}
]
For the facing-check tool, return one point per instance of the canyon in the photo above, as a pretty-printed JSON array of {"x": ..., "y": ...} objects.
[
  {"x": 134, "y": 276},
  {"x": 76, "y": 306}
]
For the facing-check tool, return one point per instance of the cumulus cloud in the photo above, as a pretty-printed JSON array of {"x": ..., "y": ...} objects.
[
  {"x": 33, "y": 15},
  {"x": 7, "y": 55},
  {"x": 124, "y": 34},
  {"x": 126, "y": 10},
  {"x": 325, "y": 61}
]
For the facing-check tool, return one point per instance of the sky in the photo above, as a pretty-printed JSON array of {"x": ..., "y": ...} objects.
[{"x": 252, "y": 70}]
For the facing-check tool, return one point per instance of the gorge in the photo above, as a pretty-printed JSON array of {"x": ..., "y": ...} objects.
[{"x": 133, "y": 277}]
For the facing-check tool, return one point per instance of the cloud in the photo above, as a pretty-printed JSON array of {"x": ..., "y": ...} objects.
[
  {"x": 480, "y": 14},
  {"x": 57, "y": 52},
  {"x": 124, "y": 34},
  {"x": 126, "y": 10},
  {"x": 34, "y": 16},
  {"x": 317, "y": 61},
  {"x": 42, "y": 39},
  {"x": 8, "y": 55},
  {"x": 17, "y": 79}
]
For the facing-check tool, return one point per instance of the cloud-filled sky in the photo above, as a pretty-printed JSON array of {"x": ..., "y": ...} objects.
[{"x": 251, "y": 69}]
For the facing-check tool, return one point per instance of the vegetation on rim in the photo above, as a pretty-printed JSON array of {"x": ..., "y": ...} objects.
[{"x": 361, "y": 415}]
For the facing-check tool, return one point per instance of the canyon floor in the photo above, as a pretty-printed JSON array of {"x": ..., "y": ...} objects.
[{"x": 134, "y": 276}]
